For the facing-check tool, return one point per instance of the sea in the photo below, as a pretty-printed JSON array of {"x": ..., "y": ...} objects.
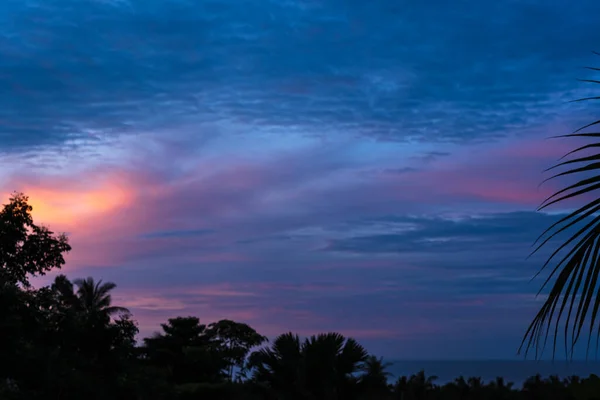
[{"x": 516, "y": 371}]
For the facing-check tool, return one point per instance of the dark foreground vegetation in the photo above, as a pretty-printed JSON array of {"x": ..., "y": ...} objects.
[{"x": 68, "y": 341}]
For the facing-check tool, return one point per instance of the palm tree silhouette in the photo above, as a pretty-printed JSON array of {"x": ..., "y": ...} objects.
[
  {"x": 420, "y": 379},
  {"x": 500, "y": 384},
  {"x": 320, "y": 367},
  {"x": 375, "y": 374},
  {"x": 401, "y": 387},
  {"x": 499, "y": 389},
  {"x": 281, "y": 364},
  {"x": 418, "y": 386},
  {"x": 575, "y": 289},
  {"x": 95, "y": 300}
]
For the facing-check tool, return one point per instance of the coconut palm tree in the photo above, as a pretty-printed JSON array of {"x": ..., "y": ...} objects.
[
  {"x": 462, "y": 387},
  {"x": 535, "y": 387},
  {"x": 576, "y": 262},
  {"x": 500, "y": 384},
  {"x": 401, "y": 388},
  {"x": 375, "y": 372},
  {"x": 420, "y": 384},
  {"x": 95, "y": 299},
  {"x": 320, "y": 367},
  {"x": 499, "y": 389},
  {"x": 475, "y": 386},
  {"x": 280, "y": 365}
]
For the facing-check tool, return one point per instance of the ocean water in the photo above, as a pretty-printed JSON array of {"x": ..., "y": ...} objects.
[{"x": 516, "y": 371}]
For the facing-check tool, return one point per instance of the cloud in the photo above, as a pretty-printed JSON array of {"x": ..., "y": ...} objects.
[
  {"x": 176, "y": 234},
  {"x": 307, "y": 166},
  {"x": 440, "y": 235},
  {"x": 220, "y": 210},
  {"x": 249, "y": 218},
  {"x": 83, "y": 73}
]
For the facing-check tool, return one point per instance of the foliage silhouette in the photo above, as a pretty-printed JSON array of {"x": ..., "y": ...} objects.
[
  {"x": 27, "y": 249},
  {"x": 375, "y": 376},
  {"x": 236, "y": 339},
  {"x": 320, "y": 367},
  {"x": 95, "y": 299},
  {"x": 575, "y": 289}
]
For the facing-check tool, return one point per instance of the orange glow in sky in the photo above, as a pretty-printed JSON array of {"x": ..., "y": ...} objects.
[{"x": 69, "y": 208}]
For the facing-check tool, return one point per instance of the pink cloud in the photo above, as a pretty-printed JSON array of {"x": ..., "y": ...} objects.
[
  {"x": 258, "y": 305},
  {"x": 149, "y": 302},
  {"x": 105, "y": 210},
  {"x": 216, "y": 257},
  {"x": 303, "y": 287},
  {"x": 507, "y": 189},
  {"x": 153, "y": 306},
  {"x": 507, "y": 173},
  {"x": 383, "y": 331},
  {"x": 219, "y": 290}
]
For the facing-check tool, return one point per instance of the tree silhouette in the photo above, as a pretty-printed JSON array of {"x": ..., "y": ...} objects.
[
  {"x": 320, "y": 367},
  {"x": 186, "y": 352},
  {"x": 420, "y": 384},
  {"x": 401, "y": 388},
  {"x": 27, "y": 249},
  {"x": 95, "y": 299},
  {"x": 236, "y": 339},
  {"x": 374, "y": 378},
  {"x": 499, "y": 389},
  {"x": 331, "y": 364},
  {"x": 281, "y": 365}
]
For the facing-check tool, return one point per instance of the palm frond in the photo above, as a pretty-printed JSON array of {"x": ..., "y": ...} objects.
[
  {"x": 576, "y": 285},
  {"x": 95, "y": 297}
]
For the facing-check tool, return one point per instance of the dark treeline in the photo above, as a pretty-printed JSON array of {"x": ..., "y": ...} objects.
[{"x": 68, "y": 341}]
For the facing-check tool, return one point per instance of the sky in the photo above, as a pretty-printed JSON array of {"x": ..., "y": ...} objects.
[{"x": 370, "y": 168}]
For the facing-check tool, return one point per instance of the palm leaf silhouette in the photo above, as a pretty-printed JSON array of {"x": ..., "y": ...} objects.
[
  {"x": 577, "y": 259},
  {"x": 95, "y": 297}
]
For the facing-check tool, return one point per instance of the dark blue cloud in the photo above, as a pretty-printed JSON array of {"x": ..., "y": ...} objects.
[
  {"x": 488, "y": 254},
  {"x": 443, "y": 234},
  {"x": 75, "y": 70}
]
